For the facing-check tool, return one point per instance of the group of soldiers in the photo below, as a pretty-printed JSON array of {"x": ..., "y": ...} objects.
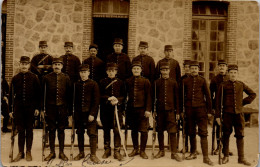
[{"x": 65, "y": 87}]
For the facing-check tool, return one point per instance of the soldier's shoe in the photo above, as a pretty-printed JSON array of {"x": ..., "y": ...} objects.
[
  {"x": 176, "y": 157},
  {"x": 134, "y": 153},
  {"x": 79, "y": 156},
  {"x": 160, "y": 154},
  {"x": 6, "y": 130},
  {"x": 107, "y": 153},
  {"x": 50, "y": 156},
  {"x": 143, "y": 155},
  {"x": 216, "y": 151},
  {"x": 63, "y": 157},
  {"x": 244, "y": 161},
  {"x": 118, "y": 156},
  {"x": 94, "y": 159},
  {"x": 28, "y": 156},
  {"x": 225, "y": 160},
  {"x": 206, "y": 160},
  {"x": 191, "y": 156},
  {"x": 19, "y": 157}
]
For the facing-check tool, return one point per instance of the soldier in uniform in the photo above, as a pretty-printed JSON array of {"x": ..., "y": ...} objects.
[
  {"x": 175, "y": 71},
  {"x": 230, "y": 98},
  {"x": 96, "y": 65},
  {"x": 148, "y": 65},
  {"x": 57, "y": 92},
  {"x": 167, "y": 107},
  {"x": 112, "y": 93},
  {"x": 121, "y": 59},
  {"x": 86, "y": 109},
  {"x": 71, "y": 63},
  {"x": 25, "y": 91},
  {"x": 197, "y": 104},
  {"x": 4, "y": 104},
  {"x": 139, "y": 108}
]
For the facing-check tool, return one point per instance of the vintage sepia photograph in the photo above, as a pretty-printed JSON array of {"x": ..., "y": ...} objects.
[{"x": 135, "y": 83}]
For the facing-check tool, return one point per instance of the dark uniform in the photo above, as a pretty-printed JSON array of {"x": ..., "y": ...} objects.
[
  {"x": 232, "y": 104},
  {"x": 71, "y": 64},
  {"x": 58, "y": 105},
  {"x": 4, "y": 105},
  {"x": 197, "y": 103},
  {"x": 26, "y": 91},
  {"x": 111, "y": 87}
]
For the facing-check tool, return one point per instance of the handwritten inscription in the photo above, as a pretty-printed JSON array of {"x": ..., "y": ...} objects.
[{"x": 87, "y": 161}]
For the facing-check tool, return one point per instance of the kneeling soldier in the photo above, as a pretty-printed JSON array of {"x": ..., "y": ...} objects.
[
  {"x": 86, "y": 109},
  {"x": 25, "y": 91},
  {"x": 112, "y": 93},
  {"x": 167, "y": 107},
  {"x": 139, "y": 108},
  {"x": 230, "y": 98}
]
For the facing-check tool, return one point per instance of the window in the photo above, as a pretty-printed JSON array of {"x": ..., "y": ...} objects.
[{"x": 208, "y": 35}]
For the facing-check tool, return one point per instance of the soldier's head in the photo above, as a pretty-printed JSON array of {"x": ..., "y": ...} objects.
[
  {"x": 111, "y": 70},
  {"x": 136, "y": 68},
  {"x": 222, "y": 66},
  {"x": 43, "y": 46},
  {"x": 24, "y": 64},
  {"x": 233, "y": 72},
  {"x": 143, "y": 48},
  {"x": 84, "y": 72},
  {"x": 168, "y": 51},
  {"x": 68, "y": 47},
  {"x": 186, "y": 65},
  {"x": 165, "y": 70},
  {"x": 194, "y": 68},
  {"x": 93, "y": 50},
  {"x": 118, "y": 45},
  {"x": 57, "y": 65}
]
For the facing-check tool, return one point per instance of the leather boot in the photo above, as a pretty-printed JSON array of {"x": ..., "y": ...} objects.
[
  {"x": 206, "y": 160},
  {"x": 225, "y": 160},
  {"x": 63, "y": 157},
  {"x": 79, "y": 156},
  {"x": 191, "y": 156},
  {"x": 94, "y": 158},
  {"x": 107, "y": 153},
  {"x": 52, "y": 155},
  {"x": 176, "y": 157},
  {"x": 28, "y": 156},
  {"x": 143, "y": 155},
  {"x": 118, "y": 156},
  {"x": 144, "y": 137},
  {"x": 19, "y": 157},
  {"x": 61, "y": 138},
  {"x": 29, "y": 139},
  {"x": 204, "y": 146},
  {"x": 160, "y": 154},
  {"x": 240, "y": 150},
  {"x": 225, "y": 150},
  {"x": 134, "y": 152},
  {"x": 21, "y": 140}
]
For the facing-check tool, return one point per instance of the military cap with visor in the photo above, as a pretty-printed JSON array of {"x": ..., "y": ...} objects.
[
  {"x": 136, "y": 63},
  {"x": 118, "y": 41},
  {"x": 222, "y": 62},
  {"x": 194, "y": 63},
  {"x": 111, "y": 66},
  {"x": 42, "y": 43},
  {"x": 168, "y": 47},
  {"x": 232, "y": 67},
  {"x": 93, "y": 46},
  {"x": 68, "y": 44},
  {"x": 143, "y": 44},
  {"x": 25, "y": 59},
  {"x": 57, "y": 60},
  {"x": 164, "y": 65},
  {"x": 84, "y": 67}
]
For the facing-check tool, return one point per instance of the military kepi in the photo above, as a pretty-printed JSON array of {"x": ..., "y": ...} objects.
[
  {"x": 111, "y": 66},
  {"x": 118, "y": 41},
  {"x": 143, "y": 44},
  {"x": 68, "y": 44},
  {"x": 164, "y": 65},
  {"x": 25, "y": 59},
  {"x": 186, "y": 62},
  {"x": 222, "y": 62},
  {"x": 57, "y": 60},
  {"x": 93, "y": 46},
  {"x": 194, "y": 63},
  {"x": 84, "y": 67},
  {"x": 232, "y": 67},
  {"x": 43, "y": 43},
  {"x": 136, "y": 63},
  {"x": 168, "y": 47}
]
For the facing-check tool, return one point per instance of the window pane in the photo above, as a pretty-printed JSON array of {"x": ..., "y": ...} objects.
[
  {"x": 200, "y": 56},
  {"x": 221, "y": 25},
  {"x": 202, "y": 36},
  {"x": 124, "y": 6},
  {"x": 202, "y": 9},
  {"x": 202, "y": 74},
  {"x": 221, "y": 10},
  {"x": 195, "y": 24},
  {"x": 213, "y": 10},
  {"x": 202, "y": 25},
  {"x": 212, "y": 46},
  {"x": 212, "y": 56},
  {"x": 105, "y": 6},
  {"x": 194, "y": 56},
  {"x": 220, "y": 46},
  {"x": 201, "y": 66},
  {"x": 195, "y": 35},
  {"x": 213, "y": 25},
  {"x": 97, "y": 7},
  {"x": 213, "y": 36},
  {"x": 221, "y": 36},
  {"x": 202, "y": 46},
  {"x": 116, "y": 5},
  {"x": 194, "y": 45},
  {"x": 195, "y": 9},
  {"x": 212, "y": 66},
  {"x": 220, "y": 55}
]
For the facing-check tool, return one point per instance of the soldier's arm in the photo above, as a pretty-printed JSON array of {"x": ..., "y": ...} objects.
[
  {"x": 95, "y": 102},
  {"x": 251, "y": 95},
  {"x": 148, "y": 95},
  {"x": 38, "y": 92},
  {"x": 69, "y": 92},
  {"x": 176, "y": 98},
  {"x": 219, "y": 101},
  {"x": 157, "y": 70},
  {"x": 207, "y": 95},
  {"x": 33, "y": 66},
  {"x": 178, "y": 73},
  {"x": 152, "y": 70},
  {"x": 213, "y": 92}
]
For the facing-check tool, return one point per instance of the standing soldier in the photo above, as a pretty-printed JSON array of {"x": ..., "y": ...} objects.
[
  {"x": 71, "y": 63},
  {"x": 25, "y": 91},
  {"x": 112, "y": 93},
  {"x": 175, "y": 71},
  {"x": 214, "y": 85},
  {"x": 121, "y": 59},
  {"x": 197, "y": 104},
  {"x": 230, "y": 99},
  {"x": 57, "y": 97},
  {"x": 147, "y": 62},
  {"x": 4, "y": 104},
  {"x": 167, "y": 107},
  {"x": 96, "y": 65},
  {"x": 139, "y": 108},
  {"x": 86, "y": 110}
]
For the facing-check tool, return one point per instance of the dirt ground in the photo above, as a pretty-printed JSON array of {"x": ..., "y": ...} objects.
[{"x": 251, "y": 151}]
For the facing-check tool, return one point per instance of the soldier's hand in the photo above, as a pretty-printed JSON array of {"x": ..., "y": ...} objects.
[
  {"x": 147, "y": 114},
  {"x": 177, "y": 117},
  {"x": 114, "y": 101},
  {"x": 36, "y": 112},
  {"x": 90, "y": 118},
  {"x": 209, "y": 116},
  {"x": 6, "y": 99},
  {"x": 218, "y": 121},
  {"x": 11, "y": 115}
]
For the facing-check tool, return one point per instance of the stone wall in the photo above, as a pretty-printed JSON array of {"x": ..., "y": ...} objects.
[
  {"x": 55, "y": 21},
  {"x": 248, "y": 46}
]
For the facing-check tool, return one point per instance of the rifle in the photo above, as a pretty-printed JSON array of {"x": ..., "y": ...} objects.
[
  {"x": 213, "y": 136},
  {"x": 44, "y": 125},
  {"x": 13, "y": 130},
  {"x": 154, "y": 125},
  {"x": 183, "y": 125},
  {"x": 73, "y": 127},
  {"x": 220, "y": 129}
]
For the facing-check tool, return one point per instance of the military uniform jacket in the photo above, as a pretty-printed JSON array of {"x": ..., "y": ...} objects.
[
  {"x": 26, "y": 90},
  {"x": 96, "y": 67},
  {"x": 41, "y": 59},
  {"x": 196, "y": 93},
  {"x": 124, "y": 65},
  {"x": 175, "y": 71},
  {"x": 117, "y": 89},
  {"x": 233, "y": 100},
  {"x": 148, "y": 66},
  {"x": 139, "y": 93},
  {"x": 214, "y": 85},
  {"x": 167, "y": 97},
  {"x": 87, "y": 97},
  {"x": 71, "y": 65}
]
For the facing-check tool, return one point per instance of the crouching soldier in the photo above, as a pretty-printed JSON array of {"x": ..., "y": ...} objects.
[
  {"x": 57, "y": 94},
  {"x": 86, "y": 110},
  {"x": 230, "y": 98},
  {"x": 112, "y": 93},
  {"x": 25, "y": 98},
  {"x": 167, "y": 107},
  {"x": 139, "y": 108}
]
